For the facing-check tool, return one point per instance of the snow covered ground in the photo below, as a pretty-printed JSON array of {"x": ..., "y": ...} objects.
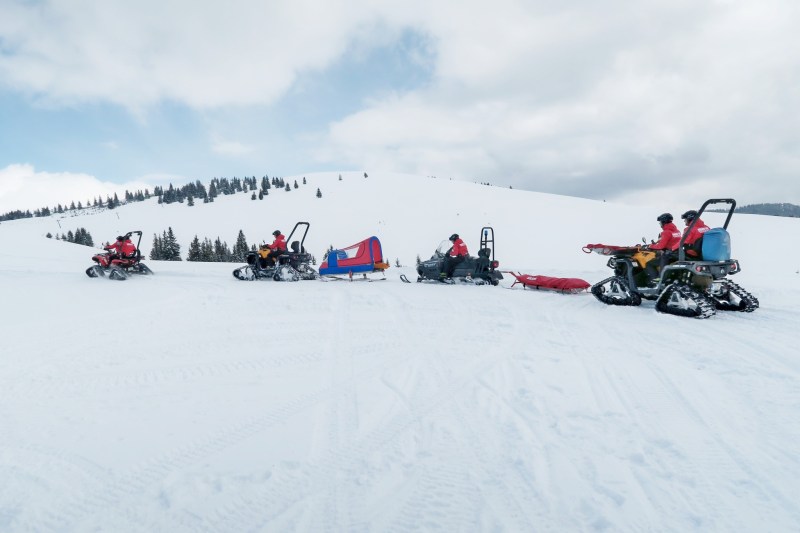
[{"x": 190, "y": 401}]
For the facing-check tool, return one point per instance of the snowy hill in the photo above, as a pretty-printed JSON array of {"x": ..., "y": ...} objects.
[{"x": 192, "y": 401}]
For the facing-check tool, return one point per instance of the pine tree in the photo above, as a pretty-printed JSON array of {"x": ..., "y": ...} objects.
[
  {"x": 261, "y": 194},
  {"x": 240, "y": 249},
  {"x": 304, "y": 180},
  {"x": 296, "y": 186},
  {"x": 49, "y": 235},
  {"x": 340, "y": 177},
  {"x": 206, "y": 250},
  {"x": 221, "y": 252},
  {"x": 194, "y": 250},
  {"x": 156, "y": 251},
  {"x": 172, "y": 249},
  {"x": 70, "y": 236},
  {"x": 319, "y": 193},
  {"x": 397, "y": 262},
  {"x": 189, "y": 201},
  {"x": 288, "y": 188},
  {"x": 253, "y": 196}
]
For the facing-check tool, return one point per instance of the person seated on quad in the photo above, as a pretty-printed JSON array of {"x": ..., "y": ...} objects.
[
  {"x": 270, "y": 252},
  {"x": 458, "y": 252},
  {"x": 693, "y": 242},
  {"x": 667, "y": 244},
  {"x": 115, "y": 250},
  {"x": 128, "y": 250}
]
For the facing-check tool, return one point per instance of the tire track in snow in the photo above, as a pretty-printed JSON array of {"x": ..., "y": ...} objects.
[
  {"x": 127, "y": 486},
  {"x": 270, "y": 504},
  {"x": 724, "y": 457}
]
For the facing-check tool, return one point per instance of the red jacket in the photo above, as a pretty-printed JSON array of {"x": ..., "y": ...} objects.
[
  {"x": 669, "y": 239},
  {"x": 115, "y": 248},
  {"x": 459, "y": 248},
  {"x": 128, "y": 249},
  {"x": 697, "y": 232},
  {"x": 279, "y": 243}
]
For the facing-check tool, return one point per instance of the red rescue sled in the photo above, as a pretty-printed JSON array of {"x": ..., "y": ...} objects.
[{"x": 549, "y": 283}]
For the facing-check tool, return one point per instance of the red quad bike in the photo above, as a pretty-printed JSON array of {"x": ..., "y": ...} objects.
[
  {"x": 119, "y": 268},
  {"x": 690, "y": 287}
]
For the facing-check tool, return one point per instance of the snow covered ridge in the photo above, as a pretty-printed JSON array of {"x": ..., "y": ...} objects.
[{"x": 189, "y": 400}]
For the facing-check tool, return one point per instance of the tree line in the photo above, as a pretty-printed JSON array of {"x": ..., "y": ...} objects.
[{"x": 186, "y": 193}]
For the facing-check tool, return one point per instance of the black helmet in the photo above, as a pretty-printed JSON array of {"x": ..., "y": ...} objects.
[
  {"x": 276, "y": 232},
  {"x": 454, "y": 237},
  {"x": 664, "y": 218},
  {"x": 689, "y": 215},
  {"x": 120, "y": 238}
]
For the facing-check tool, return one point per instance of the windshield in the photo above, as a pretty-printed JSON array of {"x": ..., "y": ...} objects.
[{"x": 444, "y": 247}]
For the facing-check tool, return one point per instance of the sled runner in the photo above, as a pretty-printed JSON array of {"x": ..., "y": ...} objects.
[
  {"x": 355, "y": 262},
  {"x": 686, "y": 287},
  {"x": 116, "y": 264},
  {"x": 549, "y": 283}
]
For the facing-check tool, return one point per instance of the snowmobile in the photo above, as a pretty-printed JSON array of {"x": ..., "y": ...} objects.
[
  {"x": 119, "y": 268},
  {"x": 478, "y": 270},
  {"x": 688, "y": 287},
  {"x": 292, "y": 265}
]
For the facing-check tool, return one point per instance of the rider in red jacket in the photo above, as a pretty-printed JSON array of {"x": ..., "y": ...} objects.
[
  {"x": 128, "y": 249},
  {"x": 116, "y": 248},
  {"x": 670, "y": 236},
  {"x": 457, "y": 254},
  {"x": 667, "y": 243},
  {"x": 692, "y": 243},
  {"x": 278, "y": 247},
  {"x": 279, "y": 244}
]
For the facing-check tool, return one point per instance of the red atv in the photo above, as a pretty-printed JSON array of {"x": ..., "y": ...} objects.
[{"x": 119, "y": 266}]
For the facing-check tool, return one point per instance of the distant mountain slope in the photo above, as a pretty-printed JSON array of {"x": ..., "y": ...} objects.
[
  {"x": 778, "y": 210},
  {"x": 535, "y": 232}
]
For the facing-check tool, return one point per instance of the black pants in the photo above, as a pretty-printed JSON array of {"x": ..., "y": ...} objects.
[{"x": 450, "y": 264}]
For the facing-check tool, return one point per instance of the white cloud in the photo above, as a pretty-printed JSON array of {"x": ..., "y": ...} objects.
[
  {"x": 23, "y": 188},
  {"x": 231, "y": 148},
  {"x": 599, "y": 99}
]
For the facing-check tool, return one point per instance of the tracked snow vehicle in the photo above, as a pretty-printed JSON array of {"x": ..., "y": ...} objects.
[
  {"x": 119, "y": 267},
  {"x": 693, "y": 288},
  {"x": 292, "y": 265},
  {"x": 478, "y": 270}
]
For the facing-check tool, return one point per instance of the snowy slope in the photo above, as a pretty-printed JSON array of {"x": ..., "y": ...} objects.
[{"x": 192, "y": 401}]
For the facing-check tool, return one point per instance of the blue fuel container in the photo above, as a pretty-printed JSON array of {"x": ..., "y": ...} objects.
[{"x": 716, "y": 245}]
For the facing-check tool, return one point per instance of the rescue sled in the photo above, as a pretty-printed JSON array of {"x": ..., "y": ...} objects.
[
  {"x": 364, "y": 258},
  {"x": 549, "y": 283}
]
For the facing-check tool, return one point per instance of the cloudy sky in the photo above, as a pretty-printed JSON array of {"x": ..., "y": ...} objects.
[{"x": 657, "y": 101}]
